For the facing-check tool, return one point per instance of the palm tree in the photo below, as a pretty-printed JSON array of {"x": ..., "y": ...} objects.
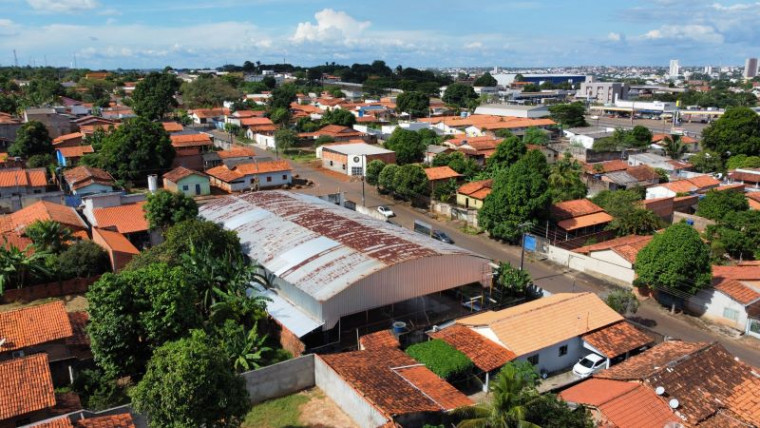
[
  {"x": 246, "y": 349},
  {"x": 565, "y": 180},
  {"x": 49, "y": 235},
  {"x": 18, "y": 266},
  {"x": 673, "y": 147},
  {"x": 511, "y": 393}
]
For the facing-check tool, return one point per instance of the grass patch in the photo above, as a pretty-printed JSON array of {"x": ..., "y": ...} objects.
[
  {"x": 470, "y": 230},
  {"x": 278, "y": 413},
  {"x": 300, "y": 155}
]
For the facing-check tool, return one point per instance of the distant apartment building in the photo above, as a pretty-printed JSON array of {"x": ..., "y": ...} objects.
[
  {"x": 675, "y": 68},
  {"x": 604, "y": 92},
  {"x": 750, "y": 68}
]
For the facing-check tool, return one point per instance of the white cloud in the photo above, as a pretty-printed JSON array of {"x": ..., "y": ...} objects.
[
  {"x": 474, "y": 45},
  {"x": 63, "y": 6},
  {"x": 695, "y": 33},
  {"x": 735, "y": 7},
  {"x": 331, "y": 26},
  {"x": 614, "y": 37}
]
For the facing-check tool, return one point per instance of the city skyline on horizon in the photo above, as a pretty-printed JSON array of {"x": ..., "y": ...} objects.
[{"x": 101, "y": 34}]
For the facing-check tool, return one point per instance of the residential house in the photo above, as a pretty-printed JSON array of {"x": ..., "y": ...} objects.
[
  {"x": 689, "y": 186},
  {"x": 432, "y": 151},
  {"x": 472, "y": 194},
  {"x": 26, "y": 390},
  {"x": 399, "y": 389},
  {"x": 750, "y": 177},
  {"x": 172, "y": 127},
  {"x": 439, "y": 174},
  {"x": 254, "y": 175},
  {"x": 578, "y": 218},
  {"x": 672, "y": 167},
  {"x": 732, "y": 300},
  {"x": 207, "y": 116},
  {"x": 379, "y": 340},
  {"x": 85, "y": 419},
  {"x": 70, "y": 156},
  {"x": 236, "y": 117},
  {"x": 189, "y": 149},
  {"x": 478, "y": 148},
  {"x": 257, "y": 125},
  {"x": 56, "y": 124},
  {"x": 93, "y": 121},
  {"x": 704, "y": 385},
  {"x": 631, "y": 177},
  {"x": 9, "y": 125},
  {"x": 587, "y": 136},
  {"x": 15, "y": 182},
  {"x": 42, "y": 210},
  {"x": 87, "y": 180},
  {"x": 120, "y": 250},
  {"x": 614, "y": 259},
  {"x": 187, "y": 181},
  {"x": 753, "y": 198},
  {"x": 658, "y": 142},
  {"x": 230, "y": 157},
  {"x": 74, "y": 139},
  {"x": 485, "y": 125},
  {"x": 336, "y": 132},
  {"x": 551, "y": 333},
  {"x": 352, "y": 158},
  {"x": 129, "y": 220}
]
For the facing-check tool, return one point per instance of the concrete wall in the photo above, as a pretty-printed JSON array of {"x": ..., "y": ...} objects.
[
  {"x": 187, "y": 185},
  {"x": 700, "y": 223},
  {"x": 711, "y": 304},
  {"x": 263, "y": 141},
  {"x": 601, "y": 267},
  {"x": 346, "y": 397},
  {"x": 372, "y": 212},
  {"x": 550, "y": 360},
  {"x": 280, "y": 379},
  {"x": 11, "y": 204}
]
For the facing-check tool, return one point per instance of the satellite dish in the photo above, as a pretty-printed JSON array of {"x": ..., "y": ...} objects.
[
  {"x": 659, "y": 390},
  {"x": 2, "y": 342},
  {"x": 673, "y": 403}
]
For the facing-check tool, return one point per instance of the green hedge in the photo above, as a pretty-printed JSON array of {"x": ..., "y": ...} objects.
[{"x": 441, "y": 358}]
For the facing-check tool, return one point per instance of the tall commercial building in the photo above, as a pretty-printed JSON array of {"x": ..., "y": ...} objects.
[
  {"x": 750, "y": 68},
  {"x": 708, "y": 69},
  {"x": 675, "y": 68}
]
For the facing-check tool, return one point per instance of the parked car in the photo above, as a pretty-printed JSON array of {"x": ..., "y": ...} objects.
[
  {"x": 589, "y": 365},
  {"x": 441, "y": 236},
  {"x": 387, "y": 212}
]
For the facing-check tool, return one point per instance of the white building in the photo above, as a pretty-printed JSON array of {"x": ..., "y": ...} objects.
[
  {"x": 511, "y": 110},
  {"x": 604, "y": 92},
  {"x": 750, "y": 68},
  {"x": 675, "y": 68}
]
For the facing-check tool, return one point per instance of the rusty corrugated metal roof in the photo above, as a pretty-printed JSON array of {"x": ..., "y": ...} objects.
[{"x": 317, "y": 246}]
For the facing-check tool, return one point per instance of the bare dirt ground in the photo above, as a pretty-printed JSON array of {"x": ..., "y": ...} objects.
[
  {"x": 73, "y": 303},
  {"x": 321, "y": 412}
]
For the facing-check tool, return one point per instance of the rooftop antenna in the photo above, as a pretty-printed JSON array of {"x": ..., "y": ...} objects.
[{"x": 15, "y": 58}]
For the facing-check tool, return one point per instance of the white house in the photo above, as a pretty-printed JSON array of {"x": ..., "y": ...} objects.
[
  {"x": 614, "y": 259},
  {"x": 253, "y": 175},
  {"x": 587, "y": 136}
]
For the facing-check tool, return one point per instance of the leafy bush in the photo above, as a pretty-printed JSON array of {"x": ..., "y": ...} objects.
[{"x": 441, "y": 358}]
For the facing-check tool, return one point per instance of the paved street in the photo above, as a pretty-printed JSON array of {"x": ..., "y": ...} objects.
[{"x": 548, "y": 276}]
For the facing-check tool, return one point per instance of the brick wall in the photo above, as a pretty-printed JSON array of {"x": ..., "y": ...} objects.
[
  {"x": 387, "y": 158},
  {"x": 53, "y": 289}
]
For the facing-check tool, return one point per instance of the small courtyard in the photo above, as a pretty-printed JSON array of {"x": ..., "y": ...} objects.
[{"x": 306, "y": 409}]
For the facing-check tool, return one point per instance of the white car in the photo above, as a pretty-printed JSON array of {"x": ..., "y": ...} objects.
[
  {"x": 387, "y": 212},
  {"x": 589, "y": 365}
]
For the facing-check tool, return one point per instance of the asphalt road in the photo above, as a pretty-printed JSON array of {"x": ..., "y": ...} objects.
[{"x": 548, "y": 276}]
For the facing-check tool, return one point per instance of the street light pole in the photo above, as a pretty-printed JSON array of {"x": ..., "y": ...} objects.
[
  {"x": 364, "y": 159},
  {"x": 522, "y": 227}
]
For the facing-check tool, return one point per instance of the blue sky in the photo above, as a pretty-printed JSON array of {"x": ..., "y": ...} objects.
[{"x": 141, "y": 34}]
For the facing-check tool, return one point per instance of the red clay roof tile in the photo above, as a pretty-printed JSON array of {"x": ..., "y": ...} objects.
[
  {"x": 486, "y": 354},
  {"x": 124, "y": 218},
  {"x": 34, "y": 325},
  {"x": 11, "y": 178},
  {"x": 379, "y": 339},
  {"x": 617, "y": 339},
  {"x": 25, "y": 386},
  {"x": 441, "y": 173},
  {"x": 122, "y": 420},
  {"x": 576, "y": 208},
  {"x": 181, "y": 172}
]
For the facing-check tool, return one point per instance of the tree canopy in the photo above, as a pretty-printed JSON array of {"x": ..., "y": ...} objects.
[
  {"x": 485, "y": 80},
  {"x": 716, "y": 204},
  {"x": 736, "y": 234},
  {"x": 565, "y": 183},
  {"x": 630, "y": 217},
  {"x": 415, "y": 103},
  {"x": 459, "y": 95},
  {"x": 165, "y": 208},
  {"x": 208, "y": 92},
  {"x": 32, "y": 138},
  {"x": 407, "y": 144},
  {"x": 509, "y": 151},
  {"x": 569, "y": 115},
  {"x": 737, "y": 132},
  {"x": 153, "y": 96},
  {"x": 374, "y": 168},
  {"x": 410, "y": 182},
  {"x": 676, "y": 259}
]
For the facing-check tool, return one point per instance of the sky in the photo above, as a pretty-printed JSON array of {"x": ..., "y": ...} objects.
[{"x": 419, "y": 33}]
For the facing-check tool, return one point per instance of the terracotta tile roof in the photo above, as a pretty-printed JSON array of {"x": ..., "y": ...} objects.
[
  {"x": 172, "y": 126},
  {"x": 585, "y": 221},
  {"x": 76, "y": 151},
  {"x": 42, "y": 210},
  {"x": 441, "y": 173},
  {"x": 723, "y": 419},
  {"x": 67, "y": 137},
  {"x": 124, "y": 218},
  {"x": 734, "y": 282},
  {"x": 25, "y": 386},
  {"x": 608, "y": 166},
  {"x": 115, "y": 241},
  {"x": 638, "y": 408},
  {"x": 33, "y": 325},
  {"x": 627, "y": 247},
  {"x": 62, "y": 422},
  {"x": 744, "y": 176},
  {"x": 475, "y": 142},
  {"x": 224, "y": 173},
  {"x": 647, "y": 363},
  {"x": 372, "y": 374},
  {"x": 753, "y": 203},
  {"x": 643, "y": 173},
  {"x": 595, "y": 392},
  {"x": 486, "y": 354},
  {"x": 83, "y": 176},
  {"x": 66, "y": 402},
  {"x": 434, "y": 387},
  {"x": 12, "y": 239},
  {"x": 236, "y": 152},
  {"x": 617, "y": 339},
  {"x": 685, "y": 139},
  {"x": 11, "y": 178},
  {"x": 474, "y": 186},
  {"x": 379, "y": 339},
  {"x": 205, "y": 113},
  {"x": 256, "y": 121},
  {"x": 704, "y": 181},
  {"x": 739, "y": 187},
  {"x": 680, "y": 186},
  {"x": 190, "y": 140},
  {"x": 90, "y": 129},
  {"x": 78, "y": 321},
  {"x": 333, "y": 131},
  {"x": 481, "y": 194},
  {"x": 739, "y": 291},
  {"x": 181, "y": 172},
  {"x": 241, "y": 114},
  {"x": 576, "y": 208},
  {"x": 122, "y": 420},
  {"x": 535, "y": 325}
]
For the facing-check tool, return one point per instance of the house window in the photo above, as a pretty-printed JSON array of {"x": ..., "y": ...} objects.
[
  {"x": 284, "y": 177},
  {"x": 731, "y": 314},
  {"x": 269, "y": 179},
  {"x": 331, "y": 163},
  {"x": 356, "y": 170},
  {"x": 563, "y": 350},
  {"x": 533, "y": 359},
  {"x": 185, "y": 188}
]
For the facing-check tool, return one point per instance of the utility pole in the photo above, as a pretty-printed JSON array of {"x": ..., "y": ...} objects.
[
  {"x": 15, "y": 58},
  {"x": 364, "y": 159}
]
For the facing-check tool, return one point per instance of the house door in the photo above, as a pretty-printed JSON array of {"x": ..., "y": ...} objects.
[
  {"x": 753, "y": 328},
  {"x": 197, "y": 189}
]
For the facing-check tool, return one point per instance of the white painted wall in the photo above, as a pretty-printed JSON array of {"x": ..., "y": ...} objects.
[
  {"x": 550, "y": 360},
  {"x": 712, "y": 304},
  {"x": 600, "y": 265}
]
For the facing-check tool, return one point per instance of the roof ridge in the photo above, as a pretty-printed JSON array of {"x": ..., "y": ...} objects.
[
  {"x": 570, "y": 296},
  {"x": 395, "y": 370}
]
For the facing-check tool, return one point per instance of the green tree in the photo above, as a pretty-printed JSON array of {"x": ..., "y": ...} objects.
[
  {"x": 410, "y": 181},
  {"x": 707, "y": 161},
  {"x": 511, "y": 282},
  {"x": 569, "y": 115},
  {"x": 282, "y": 96},
  {"x": 49, "y": 236},
  {"x": 507, "y": 153},
  {"x": 511, "y": 394},
  {"x": 32, "y": 138},
  {"x": 165, "y": 209},
  {"x": 374, "y": 168},
  {"x": 441, "y": 358},
  {"x": 208, "y": 92},
  {"x": 536, "y": 136},
  {"x": 39, "y": 161},
  {"x": 245, "y": 348},
  {"x": 459, "y": 95},
  {"x": 676, "y": 259},
  {"x": 387, "y": 178},
  {"x": 735, "y": 162},
  {"x": 338, "y": 117},
  {"x": 189, "y": 384},
  {"x": 622, "y": 301},
  {"x": 280, "y": 116},
  {"x": 629, "y": 216},
  {"x": 673, "y": 146},
  {"x": 134, "y": 150},
  {"x": 519, "y": 196},
  {"x": 457, "y": 161},
  {"x": 83, "y": 259},
  {"x": 415, "y": 103},
  {"x": 485, "y": 80},
  {"x": 737, "y": 234},
  {"x": 716, "y": 204},
  {"x": 549, "y": 411},
  {"x": 153, "y": 97},
  {"x": 284, "y": 140},
  {"x": 641, "y": 137},
  {"x": 22, "y": 266},
  {"x": 736, "y": 132},
  {"x": 565, "y": 183},
  {"x": 408, "y": 146}
]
